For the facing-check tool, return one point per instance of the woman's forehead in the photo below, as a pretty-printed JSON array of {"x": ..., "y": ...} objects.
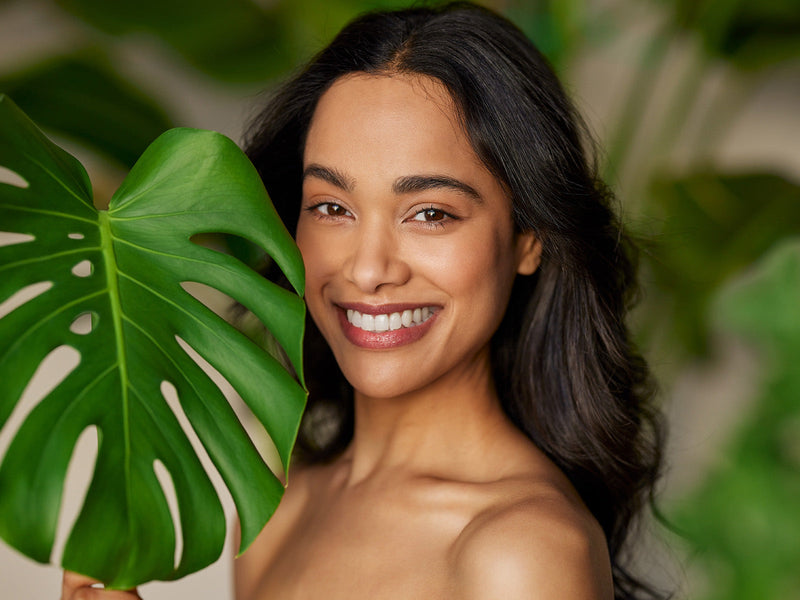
[{"x": 398, "y": 117}]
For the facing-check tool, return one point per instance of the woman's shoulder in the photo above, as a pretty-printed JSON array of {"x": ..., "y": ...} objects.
[
  {"x": 249, "y": 566},
  {"x": 536, "y": 541}
]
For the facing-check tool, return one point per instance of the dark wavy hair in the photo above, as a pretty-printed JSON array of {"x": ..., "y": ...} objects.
[{"x": 566, "y": 371}]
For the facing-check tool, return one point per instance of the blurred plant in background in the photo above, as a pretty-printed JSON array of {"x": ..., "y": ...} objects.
[
  {"x": 705, "y": 226},
  {"x": 743, "y": 519}
]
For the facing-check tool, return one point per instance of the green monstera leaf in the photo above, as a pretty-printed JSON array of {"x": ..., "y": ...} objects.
[{"x": 135, "y": 258}]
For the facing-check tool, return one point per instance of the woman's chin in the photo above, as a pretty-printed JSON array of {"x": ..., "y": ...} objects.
[
  {"x": 386, "y": 380},
  {"x": 383, "y": 388}
]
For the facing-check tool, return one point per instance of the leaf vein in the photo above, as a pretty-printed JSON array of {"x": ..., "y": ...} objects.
[
  {"x": 61, "y": 183},
  {"x": 166, "y": 300},
  {"x": 41, "y": 211},
  {"x": 181, "y": 213},
  {"x": 177, "y": 256},
  {"x": 41, "y": 258}
]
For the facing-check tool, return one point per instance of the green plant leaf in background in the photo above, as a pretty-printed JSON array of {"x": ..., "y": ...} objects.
[
  {"x": 560, "y": 28},
  {"x": 83, "y": 98},
  {"x": 743, "y": 522},
  {"x": 234, "y": 41},
  {"x": 752, "y": 35},
  {"x": 710, "y": 227},
  {"x": 140, "y": 252}
]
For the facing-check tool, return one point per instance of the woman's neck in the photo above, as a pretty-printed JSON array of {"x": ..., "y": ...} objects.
[{"x": 446, "y": 429}]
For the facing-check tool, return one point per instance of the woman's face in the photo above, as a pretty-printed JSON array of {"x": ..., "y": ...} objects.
[{"x": 408, "y": 241}]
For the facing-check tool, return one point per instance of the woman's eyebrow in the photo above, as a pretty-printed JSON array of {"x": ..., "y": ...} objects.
[
  {"x": 403, "y": 185},
  {"x": 420, "y": 183},
  {"x": 330, "y": 175}
]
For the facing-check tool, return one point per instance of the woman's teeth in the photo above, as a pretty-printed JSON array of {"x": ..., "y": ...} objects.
[{"x": 389, "y": 322}]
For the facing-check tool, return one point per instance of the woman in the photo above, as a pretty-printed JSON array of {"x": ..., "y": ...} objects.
[{"x": 479, "y": 424}]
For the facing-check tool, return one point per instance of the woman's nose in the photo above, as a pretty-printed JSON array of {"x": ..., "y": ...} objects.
[{"x": 375, "y": 261}]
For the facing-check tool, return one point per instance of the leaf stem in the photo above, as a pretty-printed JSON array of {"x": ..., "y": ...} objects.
[{"x": 112, "y": 279}]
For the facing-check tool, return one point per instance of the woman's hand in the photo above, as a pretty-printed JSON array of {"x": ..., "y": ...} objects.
[{"x": 80, "y": 587}]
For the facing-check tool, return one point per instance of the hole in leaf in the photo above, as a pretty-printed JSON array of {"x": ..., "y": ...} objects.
[
  {"x": 76, "y": 485},
  {"x": 76, "y": 236},
  {"x": 83, "y": 269},
  {"x": 171, "y": 396},
  {"x": 251, "y": 424},
  {"x": 55, "y": 367},
  {"x": 168, "y": 487},
  {"x": 212, "y": 298},
  {"x": 24, "y": 295},
  {"x": 9, "y": 238},
  {"x": 12, "y": 178},
  {"x": 52, "y": 371},
  {"x": 83, "y": 323}
]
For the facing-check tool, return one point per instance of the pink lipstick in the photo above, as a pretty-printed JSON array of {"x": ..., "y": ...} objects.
[{"x": 385, "y": 326}]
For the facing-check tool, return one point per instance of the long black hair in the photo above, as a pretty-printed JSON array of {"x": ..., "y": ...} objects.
[{"x": 566, "y": 371}]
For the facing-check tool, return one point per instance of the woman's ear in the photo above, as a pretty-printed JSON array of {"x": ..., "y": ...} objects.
[{"x": 529, "y": 253}]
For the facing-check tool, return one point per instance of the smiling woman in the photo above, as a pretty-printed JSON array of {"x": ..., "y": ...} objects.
[{"x": 479, "y": 423}]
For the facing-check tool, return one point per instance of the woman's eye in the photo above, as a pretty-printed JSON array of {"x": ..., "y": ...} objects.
[
  {"x": 330, "y": 209},
  {"x": 430, "y": 215}
]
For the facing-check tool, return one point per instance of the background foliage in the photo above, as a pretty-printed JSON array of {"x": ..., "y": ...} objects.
[{"x": 705, "y": 225}]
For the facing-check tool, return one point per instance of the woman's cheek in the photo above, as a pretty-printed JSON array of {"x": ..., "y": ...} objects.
[
  {"x": 312, "y": 242},
  {"x": 316, "y": 262},
  {"x": 466, "y": 262}
]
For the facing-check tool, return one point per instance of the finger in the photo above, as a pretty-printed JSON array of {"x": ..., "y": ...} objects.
[
  {"x": 80, "y": 587},
  {"x": 74, "y": 581},
  {"x": 89, "y": 593}
]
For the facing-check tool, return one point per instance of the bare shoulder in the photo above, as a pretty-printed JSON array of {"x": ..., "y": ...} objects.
[
  {"x": 249, "y": 566},
  {"x": 542, "y": 545}
]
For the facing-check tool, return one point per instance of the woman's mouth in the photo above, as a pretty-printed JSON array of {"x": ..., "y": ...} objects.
[
  {"x": 383, "y": 328},
  {"x": 389, "y": 321}
]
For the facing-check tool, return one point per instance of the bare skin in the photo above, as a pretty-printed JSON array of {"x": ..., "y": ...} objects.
[
  {"x": 515, "y": 531},
  {"x": 439, "y": 495},
  {"x": 80, "y": 587}
]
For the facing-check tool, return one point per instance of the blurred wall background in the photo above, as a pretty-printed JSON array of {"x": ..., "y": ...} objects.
[{"x": 696, "y": 108}]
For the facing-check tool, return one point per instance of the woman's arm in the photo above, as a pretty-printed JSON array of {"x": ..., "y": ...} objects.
[{"x": 80, "y": 587}]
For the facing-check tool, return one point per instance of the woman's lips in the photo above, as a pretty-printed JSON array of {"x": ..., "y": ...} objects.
[
  {"x": 386, "y": 321},
  {"x": 388, "y": 326}
]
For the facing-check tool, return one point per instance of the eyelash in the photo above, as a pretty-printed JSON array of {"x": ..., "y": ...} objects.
[
  {"x": 446, "y": 216},
  {"x": 316, "y": 212}
]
